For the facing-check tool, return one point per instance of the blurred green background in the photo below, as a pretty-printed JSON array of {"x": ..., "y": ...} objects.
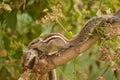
[{"x": 23, "y": 20}]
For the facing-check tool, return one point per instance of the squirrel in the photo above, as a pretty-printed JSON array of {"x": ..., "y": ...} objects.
[{"x": 56, "y": 41}]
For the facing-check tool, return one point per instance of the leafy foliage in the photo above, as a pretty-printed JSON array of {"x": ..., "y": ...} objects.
[{"x": 23, "y": 20}]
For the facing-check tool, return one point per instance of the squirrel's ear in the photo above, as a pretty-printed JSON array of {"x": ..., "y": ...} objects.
[{"x": 117, "y": 13}]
